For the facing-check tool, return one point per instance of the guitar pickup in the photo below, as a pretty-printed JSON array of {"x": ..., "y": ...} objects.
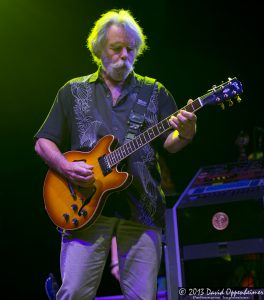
[{"x": 105, "y": 167}]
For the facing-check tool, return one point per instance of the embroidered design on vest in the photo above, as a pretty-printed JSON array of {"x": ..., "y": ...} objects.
[
  {"x": 87, "y": 126},
  {"x": 152, "y": 109},
  {"x": 148, "y": 199}
]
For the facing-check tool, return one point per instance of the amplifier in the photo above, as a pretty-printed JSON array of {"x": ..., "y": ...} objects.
[
  {"x": 223, "y": 202},
  {"x": 219, "y": 217}
]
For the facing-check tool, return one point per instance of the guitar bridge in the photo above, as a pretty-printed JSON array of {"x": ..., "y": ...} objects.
[{"x": 104, "y": 164}]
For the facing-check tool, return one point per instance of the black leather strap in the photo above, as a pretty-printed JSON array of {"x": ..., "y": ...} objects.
[{"x": 137, "y": 115}]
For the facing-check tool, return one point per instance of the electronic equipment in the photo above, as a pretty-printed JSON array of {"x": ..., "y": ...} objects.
[
  {"x": 219, "y": 215},
  {"x": 230, "y": 193}
]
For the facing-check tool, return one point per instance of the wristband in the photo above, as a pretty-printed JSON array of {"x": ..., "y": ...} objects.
[
  {"x": 113, "y": 264},
  {"x": 184, "y": 138}
]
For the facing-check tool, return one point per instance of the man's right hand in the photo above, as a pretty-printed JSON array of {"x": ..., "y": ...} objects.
[{"x": 79, "y": 173}]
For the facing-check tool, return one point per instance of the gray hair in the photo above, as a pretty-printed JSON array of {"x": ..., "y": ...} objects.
[{"x": 97, "y": 37}]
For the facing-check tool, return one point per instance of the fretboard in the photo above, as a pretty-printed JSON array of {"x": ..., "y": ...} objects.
[{"x": 148, "y": 135}]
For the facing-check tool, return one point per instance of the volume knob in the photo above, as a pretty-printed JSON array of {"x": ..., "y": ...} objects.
[
  {"x": 75, "y": 221},
  {"x": 74, "y": 207},
  {"x": 83, "y": 213},
  {"x": 66, "y": 217}
]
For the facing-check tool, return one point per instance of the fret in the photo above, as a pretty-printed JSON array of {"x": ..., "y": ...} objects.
[
  {"x": 200, "y": 101},
  {"x": 165, "y": 124},
  {"x": 168, "y": 123},
  {"x": 155, "y": 130},
  {"x": 143, "y": 139},
  {"x": 114, "y": 158},
  {"x": 151, "y": 132},
  {"x": 138, "y": 141},
  {"x": 123, "y": 151},
  {"x": 147, "y": 135},
  {"x": 128, "y": 148},
  {"x": 187, "y": 108},
  {"x": 197, "y": 104},
  {"x": 119, "y": 153},
  {"x": 160, "y": 127},
  {"x": 133, "y": 142},
  {"x": 108, "y": 160},
  {"x": 109, "y": 157},
  {"x": 192, "y": 107},
  {"x": 132, "y": 146}
]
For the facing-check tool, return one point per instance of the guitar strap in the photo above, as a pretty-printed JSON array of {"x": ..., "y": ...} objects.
[{"x": 137, "y": 114}]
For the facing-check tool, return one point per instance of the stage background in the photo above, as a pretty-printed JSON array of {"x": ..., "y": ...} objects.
[{"x": 193, "y": 45}]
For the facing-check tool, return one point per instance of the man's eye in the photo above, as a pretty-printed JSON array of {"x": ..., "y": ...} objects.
[{"x": 117, "y": 49}]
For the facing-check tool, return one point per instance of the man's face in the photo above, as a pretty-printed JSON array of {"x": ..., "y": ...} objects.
[{"x": 119, "y": 53}]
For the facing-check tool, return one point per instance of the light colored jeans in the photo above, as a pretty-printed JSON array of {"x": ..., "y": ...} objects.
[{"x": 84, "y": 254}]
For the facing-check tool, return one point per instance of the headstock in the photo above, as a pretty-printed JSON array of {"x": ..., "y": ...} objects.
[{"x": 226, "y": 92}]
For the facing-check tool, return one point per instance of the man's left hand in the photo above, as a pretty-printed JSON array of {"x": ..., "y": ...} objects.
[{"x": 184, "y": 123}]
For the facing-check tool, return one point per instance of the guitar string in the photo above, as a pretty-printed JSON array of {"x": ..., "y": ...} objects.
[{"x": 116, "y": 157}]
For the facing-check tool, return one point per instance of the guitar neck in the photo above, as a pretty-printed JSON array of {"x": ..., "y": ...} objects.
[{"x": 149, "y": 135}]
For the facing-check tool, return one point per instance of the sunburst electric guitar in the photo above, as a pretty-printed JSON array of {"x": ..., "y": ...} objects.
[{"x": 71, "y": 207}]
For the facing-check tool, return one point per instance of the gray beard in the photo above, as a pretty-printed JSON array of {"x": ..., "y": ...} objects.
[{"x": 117, "y": 71}]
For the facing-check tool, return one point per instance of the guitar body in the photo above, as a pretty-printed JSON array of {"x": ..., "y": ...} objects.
[{"x": 66, "y": 204}]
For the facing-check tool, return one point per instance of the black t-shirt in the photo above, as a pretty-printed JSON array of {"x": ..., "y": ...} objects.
[{"x": 83, "y": 113}]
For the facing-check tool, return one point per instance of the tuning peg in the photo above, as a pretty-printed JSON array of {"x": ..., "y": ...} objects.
[
  {"x": 238, "y": 99},
  {"x": 222, "y": 105},
  {"x": 230, "y": 102},
  {"x": 213, "y": 88}
]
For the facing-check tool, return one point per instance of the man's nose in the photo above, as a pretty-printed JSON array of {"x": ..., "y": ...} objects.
[{"x": 124, "y": 53}]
